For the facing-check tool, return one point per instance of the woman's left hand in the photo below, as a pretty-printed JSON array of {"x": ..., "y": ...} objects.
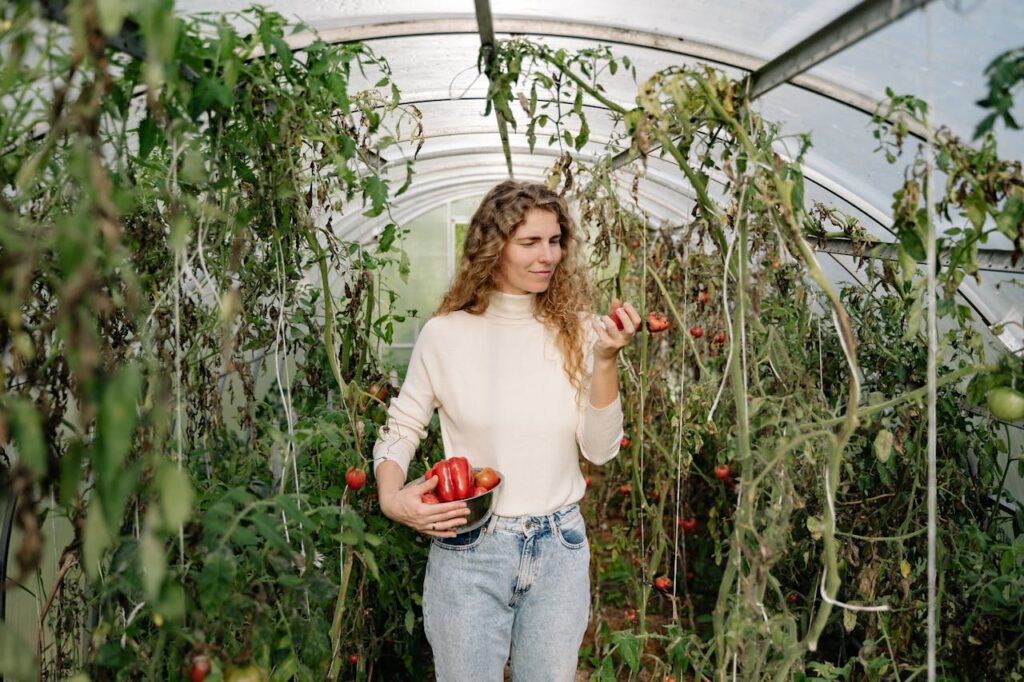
[{"x": 611, "y": 339}]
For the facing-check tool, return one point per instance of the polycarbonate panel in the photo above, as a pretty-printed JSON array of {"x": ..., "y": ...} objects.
[
  {"x": 752, "y": 27},
  {"x": 844, "y": 147},
  {"x": 448, "y": 177},
  {"x": 938, "y": 54}
]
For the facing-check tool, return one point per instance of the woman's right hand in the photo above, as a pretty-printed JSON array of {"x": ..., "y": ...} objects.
[{"x": 404, "y": 506}]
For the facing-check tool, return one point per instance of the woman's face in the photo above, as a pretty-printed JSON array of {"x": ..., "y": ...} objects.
[{"x": 530, "y": 257}]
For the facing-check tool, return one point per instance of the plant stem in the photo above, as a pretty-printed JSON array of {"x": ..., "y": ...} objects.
[{"x": 335, "y": 668}]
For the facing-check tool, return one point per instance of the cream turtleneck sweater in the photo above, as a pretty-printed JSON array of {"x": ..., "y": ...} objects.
[{"x": 497, "y": 383}]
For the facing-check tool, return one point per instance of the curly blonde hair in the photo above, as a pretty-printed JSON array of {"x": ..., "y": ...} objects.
[{"x": 500, "y": 214}]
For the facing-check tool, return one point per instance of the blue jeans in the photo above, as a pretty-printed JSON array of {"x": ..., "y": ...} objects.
[{"x": 517, "y": 584}]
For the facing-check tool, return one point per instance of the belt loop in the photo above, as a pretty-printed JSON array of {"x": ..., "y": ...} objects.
[{"x": 491, "y": 523}]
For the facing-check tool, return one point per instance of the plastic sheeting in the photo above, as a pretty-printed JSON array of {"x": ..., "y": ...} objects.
[{"x": 938, "y": 53}]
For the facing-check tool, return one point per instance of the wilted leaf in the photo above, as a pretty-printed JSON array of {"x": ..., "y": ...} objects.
[{"x": 883, "y": 445}]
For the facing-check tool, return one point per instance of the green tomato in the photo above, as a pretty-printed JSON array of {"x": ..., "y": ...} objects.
[
  {"x": 250, "y": 673},
  {"x": 1006, "y": 404}
]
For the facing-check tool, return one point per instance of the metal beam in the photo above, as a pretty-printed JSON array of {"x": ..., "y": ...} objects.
[
  {"x": 989, "y": 260},
  {"x": 839, "y": 34},
  {"x": 485, "y": 26}
]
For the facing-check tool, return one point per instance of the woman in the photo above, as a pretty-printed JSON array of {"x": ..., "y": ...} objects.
[{"x": 523, "y": 381}]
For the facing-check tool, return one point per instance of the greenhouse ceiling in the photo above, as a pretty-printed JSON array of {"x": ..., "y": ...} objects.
[{"x": 855, "y": 52}]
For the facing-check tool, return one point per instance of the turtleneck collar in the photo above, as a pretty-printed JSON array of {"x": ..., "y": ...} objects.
[{"x": 510, "y": 306}]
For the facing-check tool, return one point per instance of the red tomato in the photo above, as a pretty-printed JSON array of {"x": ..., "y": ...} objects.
[
  {"x": 379, "y": 391},
  {"x": 479, "y": 490},
  {"x": 655, "y": 495},
  {"x": 663, "y": 582},
  {"x": 688, "y": 525},
  {"x": 586, "y": 481},
  {"x": 702, "y": 296},
  {"x": 200, "y": 668},
  {"x": 616, "y": 306},
  {"x": 697, "y": 331},
  {"x": 429, "y": 498},
  {"x": 487, "y": 478},
  {"x": 630, "y": 615},
  {"x": 625, "y": 488},
  {"x": 353, "y": 659},
  {"x": 669, "y": 678},
  {"x": 656, "y": 322},
  {"x": 719, "y": 338},
  {"x": 722, "y": 472},
  {"x": 624, "y": 443},
  {"x": 355, "y": 478},
  {"x": 792, "y": 598}
]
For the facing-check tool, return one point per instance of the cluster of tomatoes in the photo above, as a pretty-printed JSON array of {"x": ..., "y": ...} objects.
[
  {"x": 656, "y": 321},
  {"x": 697, "y": 331},
  {"x": 458, "y": 481}
]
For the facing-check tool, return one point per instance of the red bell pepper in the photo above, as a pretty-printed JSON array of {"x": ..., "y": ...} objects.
[
  {"x": 462, "y": 477},
  {"x": 454, "y": 479}
]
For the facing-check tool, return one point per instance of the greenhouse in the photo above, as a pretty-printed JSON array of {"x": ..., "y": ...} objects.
[{"x": 394, "y": 340}]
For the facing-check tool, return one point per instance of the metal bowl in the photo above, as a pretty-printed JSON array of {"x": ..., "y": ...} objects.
[{"x": 480, "y": 507}]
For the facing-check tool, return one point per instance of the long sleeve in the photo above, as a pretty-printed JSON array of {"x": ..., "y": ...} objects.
[
  {"x": 410, "y": 411},
  {"x": 600, "y": 431}
]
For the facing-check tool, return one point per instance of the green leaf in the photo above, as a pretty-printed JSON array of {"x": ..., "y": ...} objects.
[
  {"x": 71, "y": 471},
  {"x": 629, "y": 648},
  {"x": 584, "y": 135},
  {"x": 215, "y": 581},
  {"x": 117, "y": 418},
  {"x": 266, "y": 527},
  {"x": 17, "y": 662},
  {"x": 976, "y": 210},
  {"x": 386, "y": 239},
  {"x": 115, "y": 429},
  {"x": 911, "y": 244},
  {"x": 377, "y": 191},
  {"x": 96, "y": 539},
  {"x": 290, "y": 505},
  {"x": 210, "y": 91},
  {"x": 27, "y": 429},
  {"x": 288, "y": 670},
  {"x": 147, "y": 137},
  {"x": 172, "y": 602},
  {"x": 410, "y": 621},
  {"x": 284, "y": 53},
  {"x": 175, "y": 495},
  {"x": 111, "y": 15},
  {"x": 153, "y": 564}
]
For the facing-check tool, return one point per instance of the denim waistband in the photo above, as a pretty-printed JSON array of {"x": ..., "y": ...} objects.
[{"x": 534, "y": 524}]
